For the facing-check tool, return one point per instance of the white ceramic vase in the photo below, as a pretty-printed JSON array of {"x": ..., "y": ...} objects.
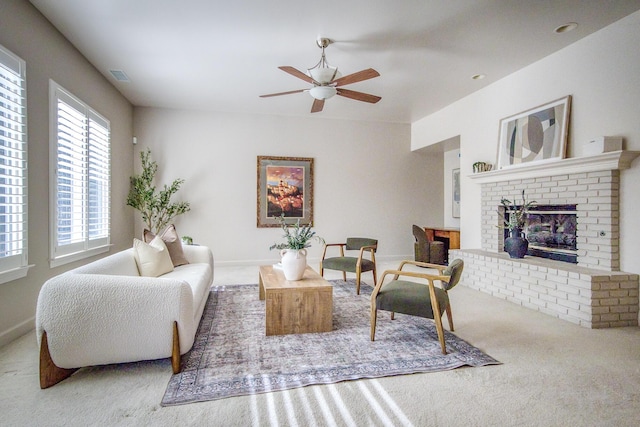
[{"x": 294, "y": 262}]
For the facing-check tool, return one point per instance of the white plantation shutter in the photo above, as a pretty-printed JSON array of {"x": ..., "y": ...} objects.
[
  {"x": 71, "y": 172},
  {"x": 99, "y": 178},
  {"x": 13, "y": 167},
  {"x": 81, "y": 193}
]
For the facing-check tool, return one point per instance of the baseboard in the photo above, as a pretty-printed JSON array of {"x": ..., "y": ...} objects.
[{"x": 17, "y": 331}]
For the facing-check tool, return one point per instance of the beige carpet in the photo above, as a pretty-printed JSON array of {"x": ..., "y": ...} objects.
[{"x": 553, "y": 374}]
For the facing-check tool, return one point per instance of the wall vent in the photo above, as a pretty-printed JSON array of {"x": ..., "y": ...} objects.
[{"x": 119, "y": 75}]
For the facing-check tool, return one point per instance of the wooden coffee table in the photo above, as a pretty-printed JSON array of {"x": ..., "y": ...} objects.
[{"x": 296, "y": 307}]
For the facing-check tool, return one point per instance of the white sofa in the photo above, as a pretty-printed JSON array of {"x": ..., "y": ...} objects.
[{"x": 105, "y": 312}]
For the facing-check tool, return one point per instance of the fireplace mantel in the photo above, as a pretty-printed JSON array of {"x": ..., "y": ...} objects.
[{"x": 614, "y": 160}]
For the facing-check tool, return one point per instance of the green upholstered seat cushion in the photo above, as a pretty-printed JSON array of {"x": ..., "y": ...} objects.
[
  {"x": 455, "y": 271},
  {"x": 411, "y": 298},
  {"x": 346, "y": 264},
  {"x": 356, "y": 243}
]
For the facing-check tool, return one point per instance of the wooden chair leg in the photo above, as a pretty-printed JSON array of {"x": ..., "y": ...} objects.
[
  {"x": 344, "y": 276},
  {"x": 393, "y": 315},
  {"x": 449, "y": 317},
  {"x": 440, "y": 330},
  {"x": 437, "y": 317},
  {"x": 175, "y": 350},
  {"x": 50, "y": 374},
  {"x": 358, "y": 275},
  {"x": 374, "y": 317}
]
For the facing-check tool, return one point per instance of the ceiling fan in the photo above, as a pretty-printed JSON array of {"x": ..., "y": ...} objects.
[{"x": 327, "y": 81}]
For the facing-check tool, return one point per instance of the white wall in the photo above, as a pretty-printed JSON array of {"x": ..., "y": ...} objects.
[
  {"x": 600, "y": 72},
  {"x": 48, "y": 55},
  {"x": 367, "y": 181}
]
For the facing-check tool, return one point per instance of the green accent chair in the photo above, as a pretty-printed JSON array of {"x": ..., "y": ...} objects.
[
  {"x": 352, "y": 264},
  {"x": 425, "y": 250},
  {"x": 417, "y": 298}
]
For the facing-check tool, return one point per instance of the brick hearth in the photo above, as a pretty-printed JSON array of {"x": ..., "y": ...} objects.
[{"x": 589, "y": 297}]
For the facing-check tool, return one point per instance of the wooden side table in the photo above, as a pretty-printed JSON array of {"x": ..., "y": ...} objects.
[{"x": 296, "y": 307}]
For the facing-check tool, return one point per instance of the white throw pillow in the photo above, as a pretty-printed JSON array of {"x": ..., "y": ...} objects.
[{"x": 152, "y": 258}]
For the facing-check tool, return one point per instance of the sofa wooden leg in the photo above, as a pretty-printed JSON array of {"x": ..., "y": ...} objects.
[
  {"x": 50, "y": 374},
  {"x": 175, "y": 351}
]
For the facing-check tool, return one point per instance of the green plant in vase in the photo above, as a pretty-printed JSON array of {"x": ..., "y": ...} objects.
[
  {"x": 296, "y": 236},
  {"x": 516, "y": 245},
  {"x": 293, "y": 251}
]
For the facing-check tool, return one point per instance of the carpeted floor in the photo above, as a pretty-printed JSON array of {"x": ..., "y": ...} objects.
[
  {"x": 233, "y": 357},
  {"x": 554, "y": 373}
]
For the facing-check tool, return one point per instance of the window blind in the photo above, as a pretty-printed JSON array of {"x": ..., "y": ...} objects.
[
  {"x": 13, "y": 162},
  {"x": 99, "y": 206},
  {"x": 82, "y": 190}
]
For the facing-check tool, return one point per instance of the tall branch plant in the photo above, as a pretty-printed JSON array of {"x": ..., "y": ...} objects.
[{"x": 155, "y": 205}]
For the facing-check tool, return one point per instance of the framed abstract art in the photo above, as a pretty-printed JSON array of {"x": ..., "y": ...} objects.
[{"x": 535, "y": 135}]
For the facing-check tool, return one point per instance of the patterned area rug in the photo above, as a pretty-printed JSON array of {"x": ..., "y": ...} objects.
[{"x": 233, "y": 357}]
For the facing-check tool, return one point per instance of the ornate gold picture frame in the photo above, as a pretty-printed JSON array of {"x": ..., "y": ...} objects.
[{"x": 285, "y": 186}]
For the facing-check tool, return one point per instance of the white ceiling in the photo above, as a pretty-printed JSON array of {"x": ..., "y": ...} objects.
[{"x": 221, "y": 55}]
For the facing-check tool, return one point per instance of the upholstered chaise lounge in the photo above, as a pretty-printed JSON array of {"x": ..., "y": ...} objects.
[{"x": 105, "y": 312}]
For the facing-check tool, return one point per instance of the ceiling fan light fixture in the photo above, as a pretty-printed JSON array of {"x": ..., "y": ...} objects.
[
  {"x": 324, "y": 75},
  {"x": 327, "y": 81},
  {"x": 322, "y": 72},
  {"x": 322, "y": 92}
]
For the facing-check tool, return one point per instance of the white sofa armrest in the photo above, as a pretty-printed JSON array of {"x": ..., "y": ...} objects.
[
  {"x": 93, "y": 319},
  {"x": 198, "y": 254}
]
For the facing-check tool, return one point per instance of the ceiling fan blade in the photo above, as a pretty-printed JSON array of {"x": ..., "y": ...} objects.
[
  {"x": 358, "y": 96},
  {"x": 282, "y": 93},
  {"x": 367, "y": 74},
  {"x": 297, "y": 73},
  {"x": 318, "y": 105}
]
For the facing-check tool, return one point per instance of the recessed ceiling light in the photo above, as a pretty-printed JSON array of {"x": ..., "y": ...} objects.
[
  {"x": 478, "y": 76},
  {"x": 565, "y": 28}
]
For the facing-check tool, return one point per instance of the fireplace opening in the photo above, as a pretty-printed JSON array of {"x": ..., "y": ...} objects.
[{"x": 551, "y": 232}]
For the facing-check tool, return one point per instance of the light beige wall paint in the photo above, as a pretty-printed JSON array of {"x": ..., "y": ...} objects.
[
  {"x": 48, "y": 55},
  {"x": 367, "y": 181},
  {"x": 600, "y": 72}
]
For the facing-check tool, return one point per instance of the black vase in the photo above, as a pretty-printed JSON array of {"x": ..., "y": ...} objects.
[{"x": 516, "y": 245}]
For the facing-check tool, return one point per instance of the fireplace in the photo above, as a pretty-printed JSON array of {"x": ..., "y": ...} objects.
[
  {"x": 594, "y": 292},
  {"x": 552, "y": 232}
]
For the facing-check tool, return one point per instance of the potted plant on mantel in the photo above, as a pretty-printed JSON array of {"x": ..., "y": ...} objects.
[
  {"x": 156, "y": 207},
  {"x": 293, "y": 251},
  {"x": 516, "y": 244}
]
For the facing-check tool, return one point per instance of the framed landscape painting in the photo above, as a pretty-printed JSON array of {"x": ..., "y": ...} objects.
[
  {"x": 536, "y": 135},
  {"x": 285, "y": 186}
]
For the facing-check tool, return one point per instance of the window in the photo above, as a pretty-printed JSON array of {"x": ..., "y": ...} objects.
[
  {"x": 80, "y": 187},
  {"x": 13, "y": 167}
]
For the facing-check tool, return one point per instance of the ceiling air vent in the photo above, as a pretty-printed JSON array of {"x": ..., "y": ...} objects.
[{"x": 119, "y": 75}]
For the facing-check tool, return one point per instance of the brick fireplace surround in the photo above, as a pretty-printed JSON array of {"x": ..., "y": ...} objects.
[{"x": 593, "y": 293}]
